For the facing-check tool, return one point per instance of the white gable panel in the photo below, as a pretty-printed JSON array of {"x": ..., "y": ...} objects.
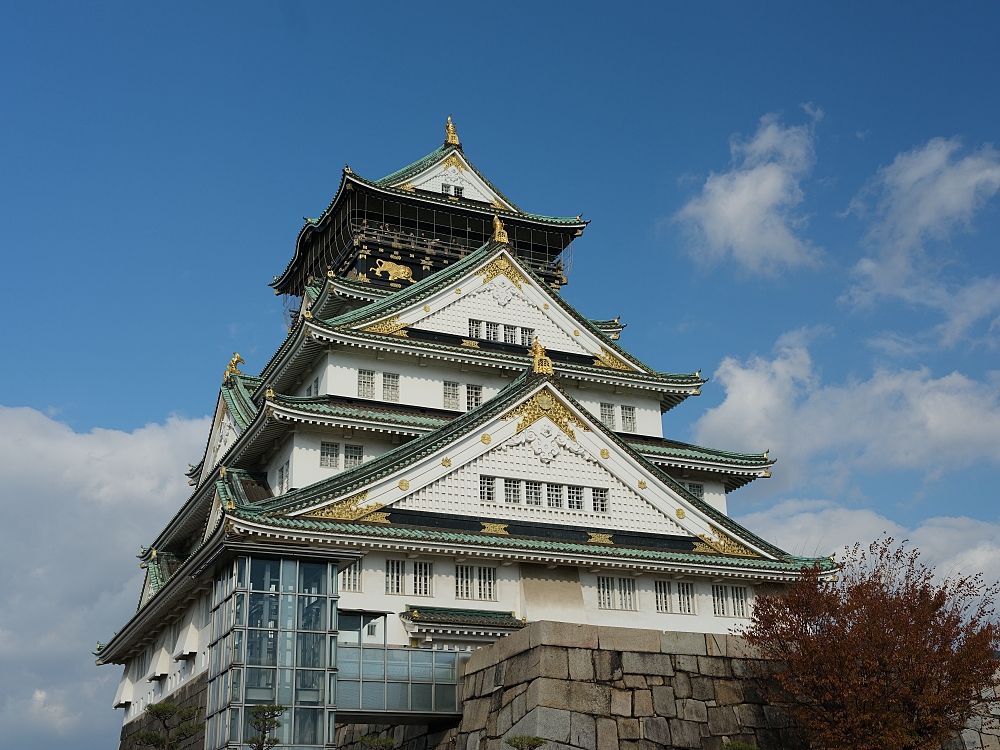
[
  {"x": 541, "y": 454},
  {"x": 454, "y": 170},
  {"x": 224, "y": 434},
  {"x": 500, "y": 301}
]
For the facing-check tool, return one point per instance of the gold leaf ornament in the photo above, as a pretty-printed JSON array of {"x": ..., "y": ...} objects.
[
  {"x": 502, "y": 267},
  {"x": 605, "y": 453},
  {"x": 348, "y": 509},
  {"x": 391, "y": 326},
  {"x": 723, "y": 544},
  {"x": 545, "y": 404},
  {"x": 404, "y": 484}
]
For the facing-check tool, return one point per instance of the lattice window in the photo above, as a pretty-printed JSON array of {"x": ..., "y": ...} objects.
[
  {"x": 608, "y": 415},
  {"x": 472, "y": 582},
  {"x": 464, "y": 581},
  {"x": 313, "y": 389},
  {"x": 487, "y": 580},
  {"x": 283, "y": 478},
  {"x": 451, "y": 396},
  {"x": 532, "y": 493},
  {"x": 475, "y": 329},
  {"x": 739, "y": 597},
  {"x": 600, "y": 496},
  {"x": 459, "y": 191},
  {"x": 445, "y": 188},
  {"x": 626, "y": 593},
  {"x": 720, "y": 596},
  {"x": 473, "y": 396},
  {"x": 510, "y": 334},
  {"x": 423, "y": 578},
  {"x": 511, "y": 491},
  {"x": 554, "y": 495},
  {"x": 492, "y": 331},
  {"x": 662, "y": 595},
  {"x": 574, "y": 497},
  {"x": 628, "y": 419},
  {"x": 605, "y": 592},
  {"x": 697, "y": 489},
  {"x": 395, "y": 575},
  {"x": 685, "y": 598},
  {"x": 527, "y": 336},
  {"x": 329, "y": 455},
  {"x": 354, "y": 455},
  {"x": 366, "y": 384},
  {"x": 349, "y": 578},
  {"x": 487, "y": 489},
  {"x": 390, "y": 387}
]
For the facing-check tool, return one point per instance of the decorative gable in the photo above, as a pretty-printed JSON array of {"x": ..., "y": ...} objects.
[
  {"x": 455, "y": 171},
  {"x": 223, "y": 435}
]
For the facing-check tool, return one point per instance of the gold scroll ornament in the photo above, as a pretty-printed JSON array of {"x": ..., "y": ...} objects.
[
  {"x": 350, "y": 509},
  {"x": 722, "y": 544},
  {"x": 545, "y": 404},
  {"x": 502, "y": 267},
  {"x": 391, "y": 326}
]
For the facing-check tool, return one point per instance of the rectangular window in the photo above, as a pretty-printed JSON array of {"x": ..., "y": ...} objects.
[
  {"x": 739, "y": 596},
  {"x": 511, "y": 491},
  {"x": 626, "y": 593},
  {"x": 600, "y": 500},
  {"x": 608, "y": 415},
  {"x": 532, "y": 493},
  {"x": 697, "y": 489},
  {"x": 487, "y": 489},
  {"x": 574, "y": 497},
  {"x": 459, "y": 191},
  {"x": 475, "y": 329},
  {"x": 685, "y": 598},
  {"x": 464, "y": 586},
  {"x": 395, "y": 571},
  {"x": 313, "y": 389},
  {"x": 423, "y": 576},
  {"x": 554, "y": 495},
  {"x": 366, "y": 384},
  {"x": 445, "y": 188},
  {"x": 628, "y": 419},
  {"x": 492, "y": 331},
  {"x": 390, "y": 387},
  {"x": 451, "y": 396},
  {"x": 349, "y": 578},
  {"x": 527, "y": 336},
  {"x": 510, "y": 334},
  {"x": 284, "y": 478},
  {"x": 662, "y": 595},
  {"x": 473, "y": 582},
  {"x": 487, "y": 579},
  {"x": 605, "y": 592},
  {"x": 473, "y": 396},
  {"x": 309, "y": 390},
  {"x": 719, "y": 604},
  {"x": 354, "y": 455},
  {"x": 329, "y": 455}
]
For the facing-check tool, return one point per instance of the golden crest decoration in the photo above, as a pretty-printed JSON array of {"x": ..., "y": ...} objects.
[
  {"x": 391, "y": 326},
  {"x": 350, "y": 509},
  {"x": 723, "y": 544},
  {"x": 502, "y": 267},
  {"x": 545, "y": 404}
]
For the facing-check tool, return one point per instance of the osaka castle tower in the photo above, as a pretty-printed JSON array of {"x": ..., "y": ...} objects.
[{"x": 441, "y": 451}]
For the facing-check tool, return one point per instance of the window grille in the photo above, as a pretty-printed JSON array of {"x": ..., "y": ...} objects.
[
  {"x": 487, "y": 583},
  {"x": 464, "y": 581},
  {"x": 527, "y": 336},
  {"x": 284, "y": 478},
  {"x": 628, "y": 419},
  {"x": 473, "y": 396},
  {"x": 532, "y": 493},
  {"x": 423, "y": 576},
  {"x": 354, "y": 455},
  {"x": 608, "y": 415},
  {"x": 510, "y": 334},
  {"x": 662, "y": 595},
  {"x": 390, "y": 387},
  {"x": 451, "y": 395},
  {"x": 554, "y": 495},
  {"x": 605, "y": 592},
  {"x": 719, "y": 604},
  {"x": 459, "y": 191},
  {"x": 685, "y": 598},
  {"x": 329, "y": 455},
  {"x": 349, "y": 579},
  {"x": 492, "y": 331},
  {"x": 626, "y": 593},
  {"x": 394, "y": 575},
  {"x": 600, "y": 500},
  {"x": 739, "y": 599},
  {"x": 487, "y": 489},
  {"x": 574, "y": 497},
  {"x": 511, "y": 491},
  {"x": 475, "y": 329},
  {"x": 366, "y": 384},
  {"x": 697, "y": 489},
  {"x": 473, "y": 582},
  {"x": 445, "y": 188}
]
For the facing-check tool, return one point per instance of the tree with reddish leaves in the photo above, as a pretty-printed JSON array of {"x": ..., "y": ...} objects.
[{"x": 884, "y": 656}]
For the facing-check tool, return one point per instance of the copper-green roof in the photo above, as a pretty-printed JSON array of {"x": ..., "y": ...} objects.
[
  {"x": 453, "y": 616},
  {"x": 341, "y": 407}
]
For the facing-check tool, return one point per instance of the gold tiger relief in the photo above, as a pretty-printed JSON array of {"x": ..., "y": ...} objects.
[{"x": 395, "y": 270}]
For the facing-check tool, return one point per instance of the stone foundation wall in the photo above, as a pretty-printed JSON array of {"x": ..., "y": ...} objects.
[
  {"x": 406, "y": 736},
  {"x": 191, "y": 694}
]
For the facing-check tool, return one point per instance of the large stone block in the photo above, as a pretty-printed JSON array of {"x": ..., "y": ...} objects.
[
  {"x": 663, "y": 701},
  {"x": 512, "y": 645},
  {"x": 521, "y": 668},
  {"x": 768, "y": 739},
  {"x": 565, "y": 634},
  {"x": 738, "y": 648},
  {"x": 512, "y": 693},
  {"x": 971, "y": 739},
  {"x": 692, "y": 710},
  {"x": 642, "y": 703},
  {"x": 474, "y": 714},
  {"x": 646, "y": 663},
  {"x": 585, "y": 697},
  {"x": 621, "y": 702},
  {"x": 728, "y": 692},
  {"x": 682, "y": 685},
  {"x": 777, "y": 718},
  {"x": 607, "y": 734},
  {"x": 673, "y": 642},
  {"x": 686, "y": 663},
  {"x": 722, "y": 720},
  {"x": 656, "y": 730},
  {"x": 714, "y": 666},
  {"x": 716, "y": 645},
  {"x": 551, "y": 723},
  {"x": 703, "y": 688},
  {"x": 607, "y": 666},
  {"x": 583, "y": 731},
  {"x": 750, "y": 715},
  {"x": 684, "y": 733},
  {"x": 634, "y": 681},
  {"x": 552, "y": 662},
  {"x": 580, "y": 664},
  {"x": 505, "y": 719},
  {"x": 628, "y": 729},
  {"x": 628, "y": 639}
]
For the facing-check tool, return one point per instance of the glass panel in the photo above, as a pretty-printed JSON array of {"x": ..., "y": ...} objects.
[
  {"x": 287, "y": 618},
  {"x": 234, "y": 725},
  {"x": 373, "y": 695},
  {"x": 444, "y": 698},
  {"x": 312, "y": 612},
  {"x": 420, "y": 667},
  {"x": 333, "y": 612},
  {"x": 237, "y": 695},
  {"x": 373, "y": 663},
  {"x": 241, "y": 608},
  {"x": 260, "y": 685},
  {"x": 310, "y": 650},
  {"x": 263, "y": 611},
  {"x": 241, "y": 572},
  {"x": 285, "y": 687},
  {"x": 312, "y": 578},
  {"x": 286, "y": 649},
  {"x": 334, "y": 570},
  {"x": 238, "y": 647},
  {"x": 331, "y": 727},
  {"x": 264, "y": 575},
  {"x": 349, "y": 661},
  {"x": 331, "y": 693},
  {"x": 333, "y": 651},
  {"x": 397, "y": 665},
  {"x": 444, "y": 666},
  {"x": 350, "y": 629},
  {"x": 397, "y": 696},
  {"x": 348, "y": 693},
  {"x": 309, "y": 687},
  {"x": 288, "y": 575},
  {"x": 283, "y": 732},
  {"x": 262, "y": 648},
  {"x": 420, "y": 697}
]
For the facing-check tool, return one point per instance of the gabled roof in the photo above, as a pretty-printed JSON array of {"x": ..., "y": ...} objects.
[{"x": 452, "y": 616}]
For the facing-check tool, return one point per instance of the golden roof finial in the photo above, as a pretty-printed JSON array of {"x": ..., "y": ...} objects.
[
  {"x": 542, "y": 363},
  {"x": 233, "y": 367},
  {"x": 499, "y": 233},
  {"x": 452, "y": 135}
]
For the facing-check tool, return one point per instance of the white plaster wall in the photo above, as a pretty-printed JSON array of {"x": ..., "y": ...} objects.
[
  {"x": 715, "y": 495},
  {"x": 647, "y": 410},
  {"x": 306, "y": 451}
]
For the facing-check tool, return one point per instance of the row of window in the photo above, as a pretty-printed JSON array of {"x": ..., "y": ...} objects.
[
  {"x": 473, "y": 395},
  {"x": 674, "y": 597},
  {"x": 455, "y": 190},
  {"x": 516, "y": 491},
  {"x": 471, "y": 582},
  {"x": 608, "y": 417},
  {"x": 329, "y": 455},
  {"x": 484, "y": 329},
  {"x": 390, "y": 385}
]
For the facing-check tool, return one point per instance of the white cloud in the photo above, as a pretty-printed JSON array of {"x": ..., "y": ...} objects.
[
  {"x": 749, "y": 212},
  {"x": 951, "y": 544},
  {"x": 75, "y": 509},
  {"x": 897, "y": 419},
  {"x": 919, "y": 201}
]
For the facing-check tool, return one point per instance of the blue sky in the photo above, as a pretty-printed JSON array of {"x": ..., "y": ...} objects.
[{"x": 799, "y": 199}]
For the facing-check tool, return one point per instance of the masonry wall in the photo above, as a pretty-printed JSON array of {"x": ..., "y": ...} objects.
[
  {"x": 190, "y": 695},
  {"x": 406, "y": 736}
]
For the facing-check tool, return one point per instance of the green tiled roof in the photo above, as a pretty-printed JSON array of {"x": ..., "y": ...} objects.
[
  {"x": 368, "y": 411},
  {"x": 676, "y": 449},
  {"x": 451, "y": 616}
]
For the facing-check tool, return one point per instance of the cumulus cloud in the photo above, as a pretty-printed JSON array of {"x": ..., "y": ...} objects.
[
  {"x": 913, "y": 206},
  {"x": 896, "y": 419},
  {"x": 75, "y": 509},
  {"x": 952, "y": 544},
  {"x": 749, "y": 212}
]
